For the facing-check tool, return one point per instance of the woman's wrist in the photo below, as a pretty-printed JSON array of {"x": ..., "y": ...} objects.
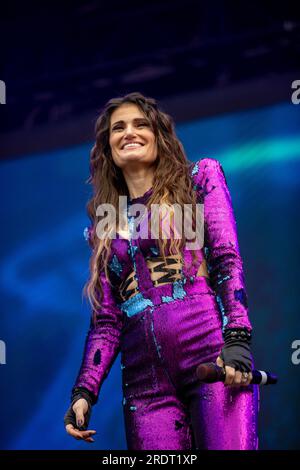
[
  {"x": 82, "y": 392},
  {"x": 236, "y": 350},
  {"x": 235, "y": 335},
  {"x": 70, "y": 416}
]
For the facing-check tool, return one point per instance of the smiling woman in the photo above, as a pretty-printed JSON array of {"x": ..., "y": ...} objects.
[
  {"x": 133, "y": 147},
  {"x": 165, "y": 307}
]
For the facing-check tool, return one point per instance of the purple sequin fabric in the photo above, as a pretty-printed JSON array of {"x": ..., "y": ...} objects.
[{"x": 164, "y": 332}]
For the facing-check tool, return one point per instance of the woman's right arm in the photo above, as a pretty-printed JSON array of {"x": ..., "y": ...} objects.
[
  {"x": 102, "y": 343},
  {"x": 102, "y": 346}
]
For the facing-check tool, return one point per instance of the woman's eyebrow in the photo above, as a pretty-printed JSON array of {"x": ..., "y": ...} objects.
[{"x": 134, "y": 120}]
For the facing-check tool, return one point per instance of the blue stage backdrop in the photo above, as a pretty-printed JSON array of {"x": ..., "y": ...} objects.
[{"x": 44, "y": 264}]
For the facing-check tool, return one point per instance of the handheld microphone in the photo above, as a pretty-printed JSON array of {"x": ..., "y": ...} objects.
[{"x": 210, "y": 372}]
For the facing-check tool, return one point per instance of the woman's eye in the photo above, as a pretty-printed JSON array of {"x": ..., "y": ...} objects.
[{"x": 138, "y": 125}]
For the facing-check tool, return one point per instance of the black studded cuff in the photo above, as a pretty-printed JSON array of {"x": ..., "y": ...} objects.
[
  {"x": 82, "y": 392},
  {"x": 232, "y": 335}
]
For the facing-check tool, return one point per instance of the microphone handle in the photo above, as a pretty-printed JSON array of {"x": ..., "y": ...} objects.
[
  {"x": 261, "y": 377},
  {"x": 210, "y": 372}
]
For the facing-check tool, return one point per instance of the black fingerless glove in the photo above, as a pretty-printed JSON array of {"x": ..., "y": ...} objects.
[
  {"x": 70, "y": 417},
  {"x": 236, "y": 351}
]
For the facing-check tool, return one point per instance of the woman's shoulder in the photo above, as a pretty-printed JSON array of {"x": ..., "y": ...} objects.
[
  {"x": 89, "y": 233},
  {"x": 207, "y": 174},
  {"x": 203, "y": 164},
  {"x": 204, "y": 169}
]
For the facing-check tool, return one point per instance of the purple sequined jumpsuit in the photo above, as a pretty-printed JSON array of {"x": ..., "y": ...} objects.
[{"x": 164, "y": 332}]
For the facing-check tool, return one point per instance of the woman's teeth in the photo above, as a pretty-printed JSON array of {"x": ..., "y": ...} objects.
[{"x": 129, "y": 146}]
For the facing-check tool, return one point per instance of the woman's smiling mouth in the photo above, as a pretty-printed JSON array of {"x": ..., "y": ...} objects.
[{"x": 133, "y": 145}]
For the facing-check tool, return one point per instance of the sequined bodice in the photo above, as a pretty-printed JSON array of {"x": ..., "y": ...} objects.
[{"x": 122, "y": 261}]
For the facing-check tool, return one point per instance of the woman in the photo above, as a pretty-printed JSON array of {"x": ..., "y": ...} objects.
[{"x": 164, "y": 306}]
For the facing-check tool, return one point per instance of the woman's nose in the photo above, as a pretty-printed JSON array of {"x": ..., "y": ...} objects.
[{"x": 129, "y": 130}]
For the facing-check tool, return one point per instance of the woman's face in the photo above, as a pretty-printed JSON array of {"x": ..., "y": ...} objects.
[{"x": 129, "y": 125}]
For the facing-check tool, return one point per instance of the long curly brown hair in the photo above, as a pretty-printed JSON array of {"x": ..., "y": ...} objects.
[{"x": 172, "y": 184}]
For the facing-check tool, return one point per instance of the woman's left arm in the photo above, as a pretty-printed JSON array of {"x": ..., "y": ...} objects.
[{"x": 225, "y": 265}]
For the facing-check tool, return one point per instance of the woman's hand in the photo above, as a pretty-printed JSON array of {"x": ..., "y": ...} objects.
[
  {"x": 80, "y": 409},
  {"x": 85, "y": 435},
  {"x": 234, "y": 378}
]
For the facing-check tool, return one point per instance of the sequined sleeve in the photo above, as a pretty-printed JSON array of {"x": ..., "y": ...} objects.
[
  {"x": 225, "y": 265},
  {"x": 102, "y": 343}
]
